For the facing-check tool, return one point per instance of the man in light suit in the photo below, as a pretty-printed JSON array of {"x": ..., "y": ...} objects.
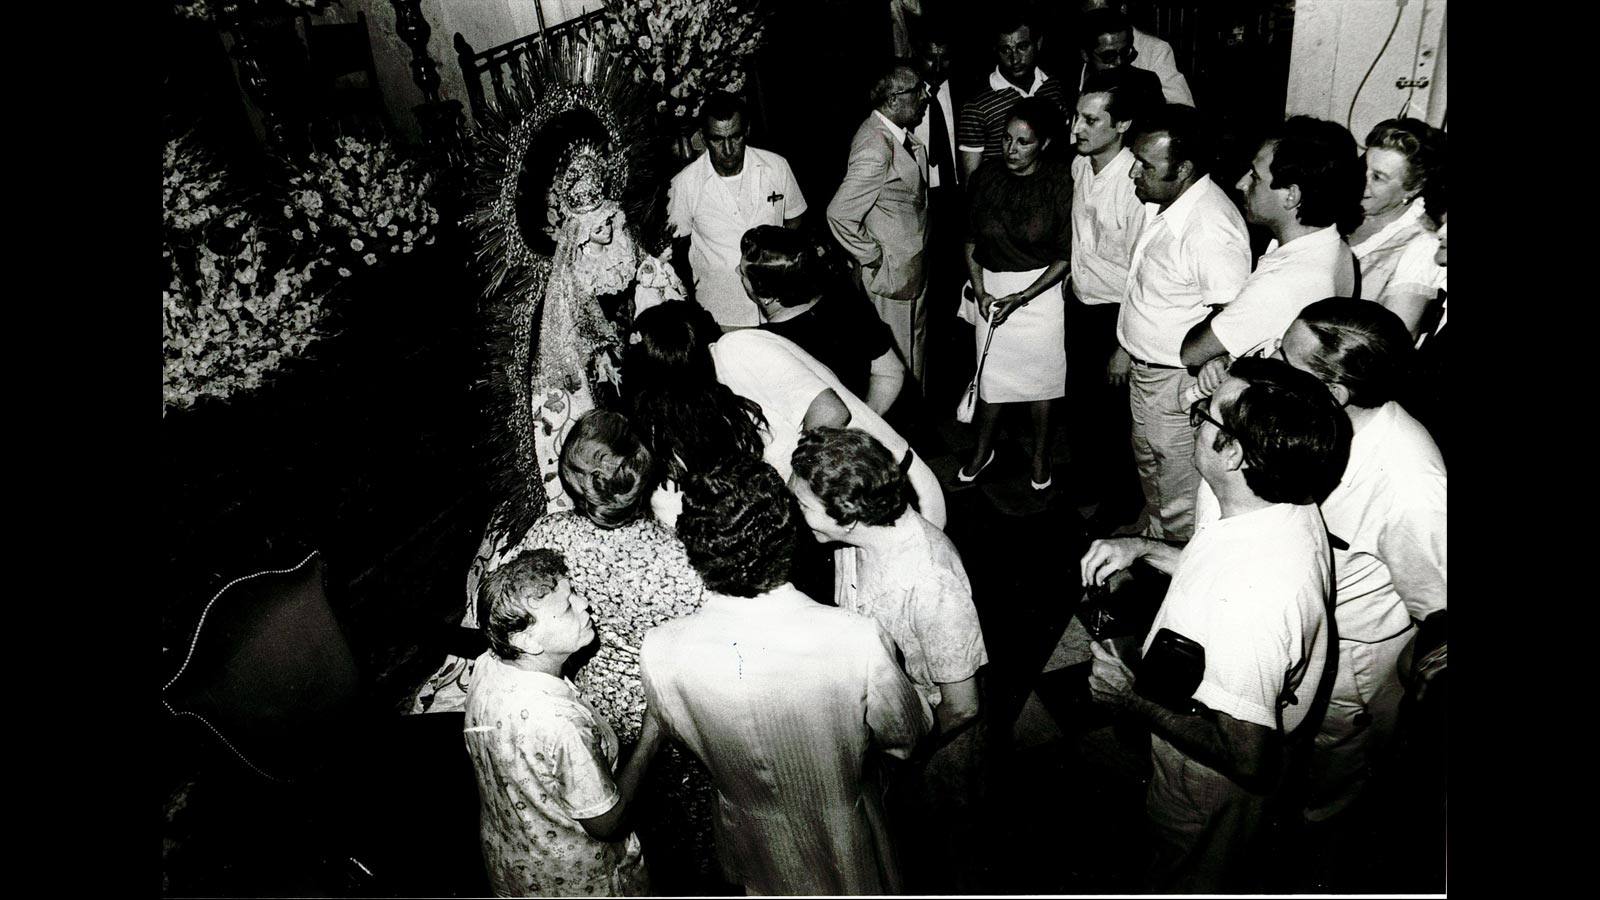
[{"x": 880, "y": 212}]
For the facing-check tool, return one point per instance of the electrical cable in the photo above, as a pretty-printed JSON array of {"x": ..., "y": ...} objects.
[{"x": 1350, "y": 116}]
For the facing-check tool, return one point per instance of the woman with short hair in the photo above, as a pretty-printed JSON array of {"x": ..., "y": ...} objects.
[
  {"x": 1396, "y": 240},
  {"x": 1019, "y": 248},
  {"x": 908, "y": 577}
]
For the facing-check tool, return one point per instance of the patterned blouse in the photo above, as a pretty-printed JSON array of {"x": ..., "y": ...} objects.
[{"x": 635, "y": 577}]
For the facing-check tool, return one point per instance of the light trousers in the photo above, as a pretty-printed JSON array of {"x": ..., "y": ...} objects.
[
  {"x": 1163, "y": 447},
  {"x": 908, "y": 322},
  {"x": 1358, "y": 725}
]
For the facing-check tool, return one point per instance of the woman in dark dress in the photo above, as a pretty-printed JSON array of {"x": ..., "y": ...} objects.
[{"x": 1019, "y": 246}]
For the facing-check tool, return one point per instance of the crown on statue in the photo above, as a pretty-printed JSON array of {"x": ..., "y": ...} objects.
[{"x": 587, "y": 179}]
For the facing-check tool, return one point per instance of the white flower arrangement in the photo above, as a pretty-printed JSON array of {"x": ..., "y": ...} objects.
[
  {"x": 234, "y": 308},
  {"x": 688, "y": 47},
  {"x": 362, "y": 202}
]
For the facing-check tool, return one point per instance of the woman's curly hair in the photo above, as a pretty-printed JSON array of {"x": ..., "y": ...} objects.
[
  {"x": 740, "y": 527},
  {"x": 854, "y": 475}
]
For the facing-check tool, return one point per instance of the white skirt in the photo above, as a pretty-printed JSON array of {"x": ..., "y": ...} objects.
[{"x": 1028, "y": 357}]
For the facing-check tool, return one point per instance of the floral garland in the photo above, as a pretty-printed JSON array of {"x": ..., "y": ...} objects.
[
  {"x": 362, "y": 202},
  {"x": 687, "y": 48},
  {"x": 233, "y": 308}
]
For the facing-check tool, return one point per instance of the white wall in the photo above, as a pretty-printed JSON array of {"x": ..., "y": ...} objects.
[{"x": 1336, "y": 41}]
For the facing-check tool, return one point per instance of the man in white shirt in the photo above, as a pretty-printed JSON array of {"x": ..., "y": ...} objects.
[
  {"x": 725, "y": 192},
  {"x": 1389, "y": 512},
  {"x": 1304, "y": 180},
  {"x": 1193, "y": 252},
  {"x": 1252, "y": 591},
  {"x": 1107, "y": 219},
  {"x": 1150, "y": 53}
]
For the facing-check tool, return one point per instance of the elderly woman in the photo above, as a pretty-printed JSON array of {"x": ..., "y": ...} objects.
[
  {"x": 910, "y": 579},
  {"x": 909, "y": 575},
  {"x": 784, "y": 273},
  {"x": 1395, "y": 241},
  {"x": 1019, "y": 246},
  {"x": 635, "y": 575},
  {"x": 698, "y": 397}
]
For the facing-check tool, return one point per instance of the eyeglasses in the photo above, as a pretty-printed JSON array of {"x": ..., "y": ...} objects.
[
  {"x": 1115, "y": 57},
  {"x": 1197, "y": 415},
  {"x": 918, "y": 88}
]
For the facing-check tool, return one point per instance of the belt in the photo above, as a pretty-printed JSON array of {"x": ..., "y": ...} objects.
[{"x": 1151, "y": 365}]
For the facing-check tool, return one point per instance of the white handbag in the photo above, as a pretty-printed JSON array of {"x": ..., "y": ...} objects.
[{"x": 968, "y": 406}]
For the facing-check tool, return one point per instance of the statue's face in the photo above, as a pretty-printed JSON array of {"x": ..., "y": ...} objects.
[{"x": 604, "y": 230}]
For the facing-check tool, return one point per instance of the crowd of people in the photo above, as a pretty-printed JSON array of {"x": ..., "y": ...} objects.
[{"x": 1266, "y": 431}]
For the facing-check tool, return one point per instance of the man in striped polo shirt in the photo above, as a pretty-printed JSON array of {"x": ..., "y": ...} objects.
[{"x": 983, "y": 119}]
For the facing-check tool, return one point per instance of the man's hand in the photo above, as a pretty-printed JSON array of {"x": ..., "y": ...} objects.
[
  {"x": 1118, "y": 366},
  {"x": 1000, "y": 310},
  {"x": 1110, "y": 679},
  {"x": 1212, "y": 373},
  {"x": 1107, "y": 556}
]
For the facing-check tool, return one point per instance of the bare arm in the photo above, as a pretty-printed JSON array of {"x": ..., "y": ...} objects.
[
  {"x": 1201, "y": 343},
  {"x": 612, "y": 824},
  {"x": 1111, "y": 555},
  {"x": 958, "y": 705},
  {"x": 826, "y": 409},
  {"x": 1244, "y": 751},
  {"x": 1409, "y": 307},
  {"x": 794, "y": 222},
  {"x": 883, "y": 385},
  {"x": 968, "y": 162},
  {"x": 1005, "y": 306}
]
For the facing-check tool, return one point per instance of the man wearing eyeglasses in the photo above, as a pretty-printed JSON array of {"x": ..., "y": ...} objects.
[
  {"x": 880, "y": 211},
  {"x": 1106, "y": 45},
  {"x": 1149, "y": 53},
  {"x": 1251, "y": 591}
]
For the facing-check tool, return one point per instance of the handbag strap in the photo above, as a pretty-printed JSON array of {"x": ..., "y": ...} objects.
[{"x": 985, "y": 357}]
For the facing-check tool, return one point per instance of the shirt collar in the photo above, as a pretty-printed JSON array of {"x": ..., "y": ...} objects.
[
  {"x": 1304, "y": 243},
  {"x": 898, "y": 132},
  {"x": 783, "y": 598},
  {"x": 1407, "y": 219},
  {"x": 999, "y": 82},
  {"x": 1178, "y": 213}
]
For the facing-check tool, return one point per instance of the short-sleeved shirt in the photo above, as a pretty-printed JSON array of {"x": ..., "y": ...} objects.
[
  {"x": 544, "y": 760},
  {"x": 1252, "y": 590},
  {"x": 715, "y": 212},
  {"x": 983, "y": 118},
  {"x": 844, "y": 333},
  {"x": 1390, "y": 507},
  {"x": 917, "y": 589},
  {"x": 1287, "y": 279},
  {"x": 1191, "y": 255},
  {"x": 1107, "y": 218},
  {"x": 1019, "y": 223}
]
